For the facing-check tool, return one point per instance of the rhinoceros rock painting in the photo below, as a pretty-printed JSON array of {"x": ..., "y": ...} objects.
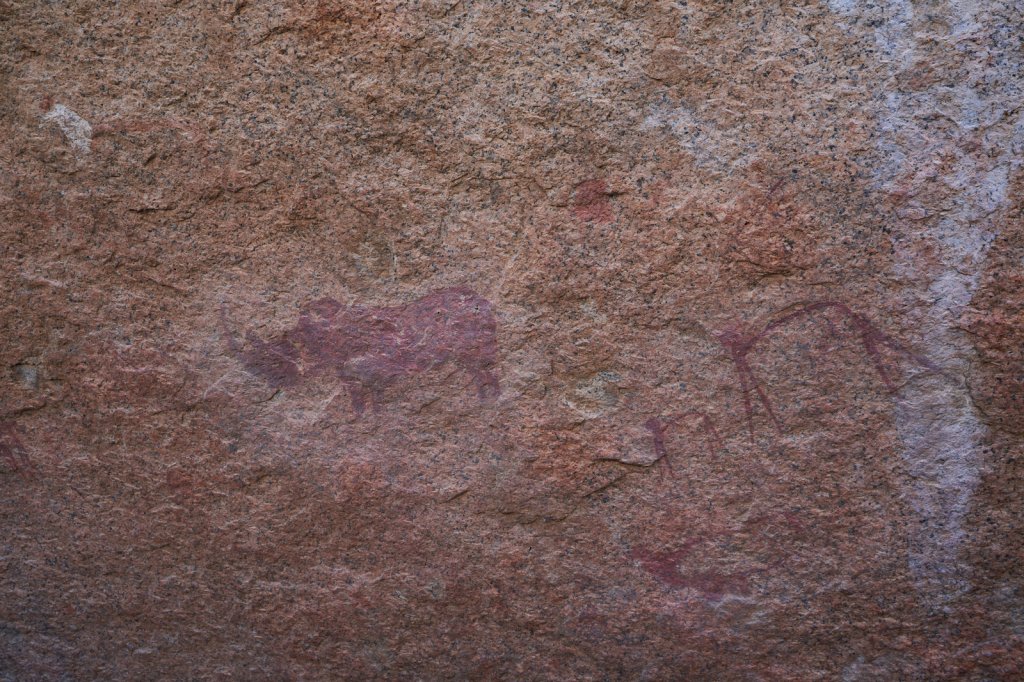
[{"x": 368, "y": 348}]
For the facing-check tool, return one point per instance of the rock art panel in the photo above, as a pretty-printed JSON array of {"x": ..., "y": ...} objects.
[{"x": 549, "y": 340}]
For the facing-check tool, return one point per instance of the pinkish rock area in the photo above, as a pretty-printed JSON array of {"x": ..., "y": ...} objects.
[{"x": 445, "y": 339}]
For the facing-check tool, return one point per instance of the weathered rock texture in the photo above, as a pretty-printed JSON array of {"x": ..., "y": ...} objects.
[{"x": 512, "y": 340}]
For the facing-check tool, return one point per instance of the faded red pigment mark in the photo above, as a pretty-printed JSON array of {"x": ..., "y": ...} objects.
[
  {"x": 368, "y": 348},
  {"x": 872, "y": 340},
  {"x": 769, "y": 535},
  {"x": 714, "y": 585},
  {"x": 190, "y": 132},
  {"x": 592, "y": 202},
  {"x": 658, "y": 426},
  {"x": 12, "y": 449}
]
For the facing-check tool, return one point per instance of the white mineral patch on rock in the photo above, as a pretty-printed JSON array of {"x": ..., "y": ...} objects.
[
  {"x": 75, "y": 128},
  {"x": 941, "y": 431}
]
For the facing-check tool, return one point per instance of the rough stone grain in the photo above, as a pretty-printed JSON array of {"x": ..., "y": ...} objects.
[{"x": 512, "y": 340}]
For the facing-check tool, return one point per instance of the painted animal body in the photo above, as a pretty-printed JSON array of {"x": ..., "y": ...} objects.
[{"x": 369, "y": 347}]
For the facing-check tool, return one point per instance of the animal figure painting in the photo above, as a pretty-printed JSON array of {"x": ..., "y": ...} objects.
[
  {"x": 872, "y": 341},
  {"x": 368, "y": 348},
  {"x": 741, "y": 344}
]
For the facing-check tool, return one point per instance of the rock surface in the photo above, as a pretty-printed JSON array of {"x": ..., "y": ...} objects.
[{"x": 488, "y": 340}]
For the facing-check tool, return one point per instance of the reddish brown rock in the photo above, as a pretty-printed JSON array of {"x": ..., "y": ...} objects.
[{"x": 545, "y": 340}]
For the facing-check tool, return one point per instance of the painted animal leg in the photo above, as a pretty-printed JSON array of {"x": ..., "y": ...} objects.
[
  {"x": 486, "y": 384},
  {"x": 763, "y": 397},
  {"x": 13, "y": 451},
  {"x": 657, "y": 429},
  {"x": 709, "y": 428},
  {"x": 357, "y": 393}
]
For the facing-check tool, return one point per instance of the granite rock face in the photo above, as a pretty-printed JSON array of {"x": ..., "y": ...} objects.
[{"x": 489, "y": 340}]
